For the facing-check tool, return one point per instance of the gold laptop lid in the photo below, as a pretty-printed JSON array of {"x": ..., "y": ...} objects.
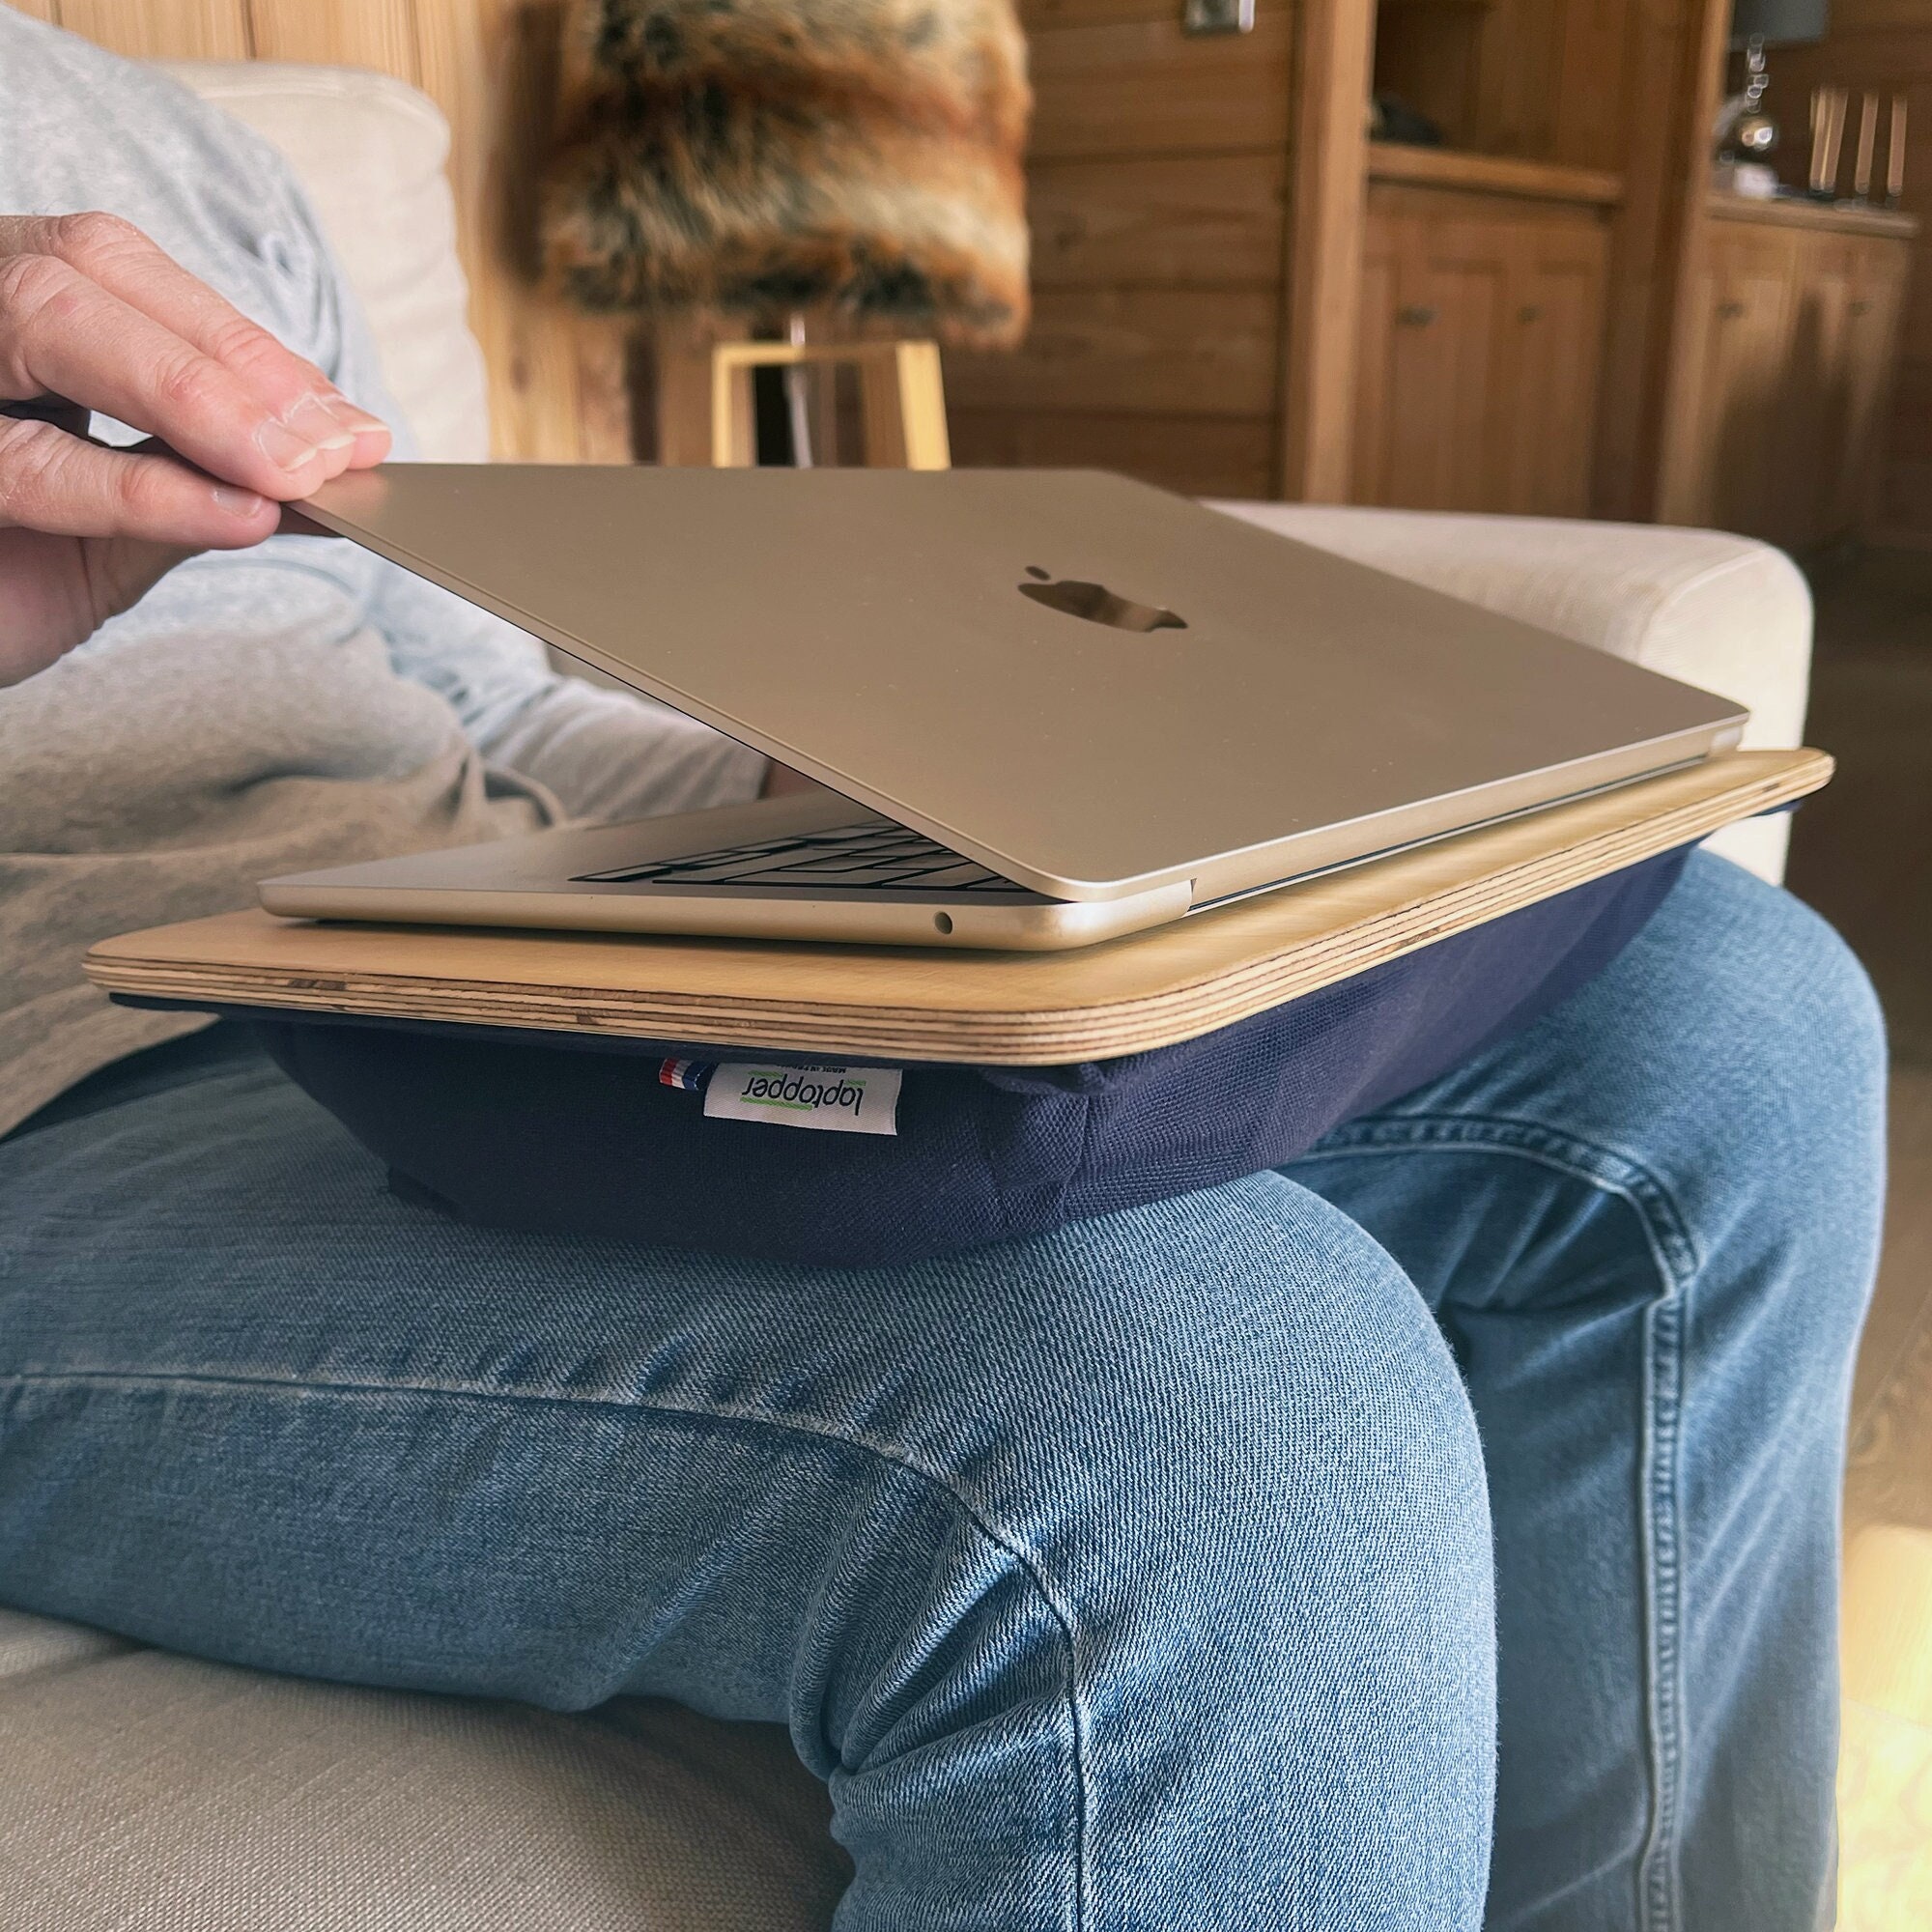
[{"x": 1083, "y": 682}]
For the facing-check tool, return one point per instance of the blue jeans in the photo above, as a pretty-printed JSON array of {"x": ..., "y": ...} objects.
[{"x": 1259, "y": 1559}]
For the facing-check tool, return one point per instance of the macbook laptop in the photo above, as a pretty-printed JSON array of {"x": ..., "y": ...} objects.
[{"x": 1047, "y": 707}]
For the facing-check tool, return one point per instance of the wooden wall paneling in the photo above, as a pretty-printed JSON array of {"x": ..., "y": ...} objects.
[
  {"x": 1199, "y": 456},
  {"x": 1516, "y": 106},
  {"x": 1536, "y": 79},
  {"x": 36, "y": 9},
  {"x": 1156, "y": 175},
  {"x": 1672, "y": 71},
  {"x": 1813, "y": 414},
  {"x": 1591, "y": 56},
  {"x": 1178, "y": 221},
  {"x": 1867, "y": 17},
  {"x": 162, "y": 29},
  {"x": 1687, "y": 487},
  {"x": 1788, "y": 374},
  {"x": 1428, "y": 59},
  {"x": 557, "y": 378},
  {"x": 1322, "y": 271},
  {"x": 1626, "y": 86},
  {"x": 1039, "y": 15},
  {"x": 1135, "y": 85},
  {"x": 1159, "y": 352},
  {"x": 380, "y": 34}
]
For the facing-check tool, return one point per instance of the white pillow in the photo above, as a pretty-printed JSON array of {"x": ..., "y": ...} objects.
[{"x": 371, "y": 152}]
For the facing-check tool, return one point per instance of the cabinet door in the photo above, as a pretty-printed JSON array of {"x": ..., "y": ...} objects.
[
  {"x": 1478, "y": 368},
  {"x": 1726, "y": 475},
  {"x": 1881, "y": 267},
  {"x": 1809, "y": 419},
  {"x": 1371, "y": 463},
  {"x": 1783, "y": 418},
  {"x": 1433, "y": 296},
  {"x": 1547, "y": 401},
  {"x": 1447, "y": 368}
]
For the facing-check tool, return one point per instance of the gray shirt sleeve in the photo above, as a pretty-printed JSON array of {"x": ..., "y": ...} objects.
[{"x": 605, "y": 753}]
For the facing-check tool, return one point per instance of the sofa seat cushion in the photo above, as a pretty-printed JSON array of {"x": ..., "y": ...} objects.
[
  {"x": 1723, "y": 612},
  {"x": 146, "y": 1790}
]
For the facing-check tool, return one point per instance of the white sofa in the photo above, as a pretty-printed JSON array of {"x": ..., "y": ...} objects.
[{"x": 143, "y": 1790}]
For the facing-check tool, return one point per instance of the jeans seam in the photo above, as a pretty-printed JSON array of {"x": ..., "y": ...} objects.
[
  {"x": 1674, "y": 1256},
  {"x": 1029, "y": 1561}
]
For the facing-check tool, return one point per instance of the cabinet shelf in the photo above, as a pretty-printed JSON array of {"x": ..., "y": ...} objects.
[
  {"x": 1827, "y": 217},
  {"x": 1493, "y": 174}
]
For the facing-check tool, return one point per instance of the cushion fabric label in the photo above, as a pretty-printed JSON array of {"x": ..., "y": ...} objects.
[{"x": 834, "y": 1099}]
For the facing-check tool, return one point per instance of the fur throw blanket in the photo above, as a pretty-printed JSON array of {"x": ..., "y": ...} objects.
[{"x": 755, "y": 158}]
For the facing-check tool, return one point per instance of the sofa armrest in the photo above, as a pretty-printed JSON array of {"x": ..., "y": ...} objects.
[{"x": 1722, "y": 613}]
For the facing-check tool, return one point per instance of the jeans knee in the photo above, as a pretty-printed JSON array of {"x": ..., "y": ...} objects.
[
  {"x": 1764, "y": 1063},
  {"x": 1229, "y": 1551},
  {"x": 1256, "y": 1402},
  {"x": 1789, "y": 1012},
  {"x": 1273, "y": 1528}
]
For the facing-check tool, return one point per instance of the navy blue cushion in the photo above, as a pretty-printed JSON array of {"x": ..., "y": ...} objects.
[{"x": 580, "y": 1135}]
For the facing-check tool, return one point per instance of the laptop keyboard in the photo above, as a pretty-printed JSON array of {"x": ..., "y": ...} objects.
[{"x": 864, "y": 858}]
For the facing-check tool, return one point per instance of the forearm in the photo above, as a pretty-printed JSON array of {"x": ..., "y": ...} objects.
[{"x": 605, "y": 753}]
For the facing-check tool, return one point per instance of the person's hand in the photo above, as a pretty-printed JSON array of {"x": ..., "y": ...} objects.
[{"x": 94, "y": 316}]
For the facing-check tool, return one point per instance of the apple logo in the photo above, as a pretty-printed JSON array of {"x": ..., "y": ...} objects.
[{"x": 1096, "y": 603}]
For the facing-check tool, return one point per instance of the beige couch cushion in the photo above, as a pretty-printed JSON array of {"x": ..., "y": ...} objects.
[
  {"x": 1722, "y": 613},
  {"x": 145, "y": 1791},
  {"x": 371, "y": 152}
]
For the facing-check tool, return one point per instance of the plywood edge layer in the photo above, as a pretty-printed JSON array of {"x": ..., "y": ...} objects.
[{"x": 250, "y": 960}]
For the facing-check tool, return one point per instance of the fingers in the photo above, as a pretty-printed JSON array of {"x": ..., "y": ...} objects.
[
  {"x": 119, "y": 258},
  {"x": 91, "y": 309},
  {"x": 60, "y": 332},
  {"x": 55, "y": 483}
]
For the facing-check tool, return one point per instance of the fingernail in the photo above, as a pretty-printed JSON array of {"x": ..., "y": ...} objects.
[
  {"x": 359, "y": 421},
  {"x": 316, "y": 420},
  {"x": 281, "y": 446},
  {"x": 237, "y": 502}
]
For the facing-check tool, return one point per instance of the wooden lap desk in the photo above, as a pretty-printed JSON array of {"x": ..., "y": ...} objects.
[{"x": 990, "y": 1008}]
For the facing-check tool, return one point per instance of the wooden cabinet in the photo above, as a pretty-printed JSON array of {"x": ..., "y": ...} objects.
[
  {"x": 1873, "y": 331},
  {"x": 1481, "y": 348},
  {"x": 1778, "y": 423}
]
